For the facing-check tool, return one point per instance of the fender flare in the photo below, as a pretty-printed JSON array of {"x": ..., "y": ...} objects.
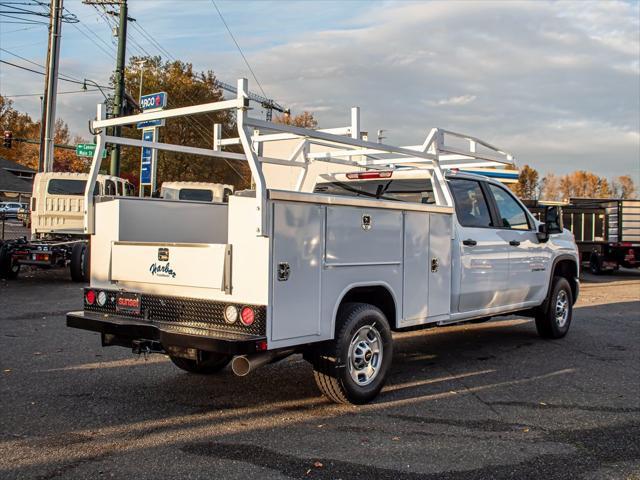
[
  {"x": 556, "y": 260},
  {"x": 351, "y": 286}
]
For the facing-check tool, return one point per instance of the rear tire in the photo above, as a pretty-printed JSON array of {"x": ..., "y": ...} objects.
[
  {"x": 8, "y": 268},
  {"x": 353, "y": 367},
  {"x": 553, "y": 320},
  {"x": 213, "y": 363},
  {"x": 595, "y": 264},
  {"x": 79, "y": 262}
]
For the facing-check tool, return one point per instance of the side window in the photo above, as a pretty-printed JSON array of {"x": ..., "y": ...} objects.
[
  {"x": 471, "y": 205},
  {"x": 512, "y": 215},
  {"x": 109, "y": 188},
  {"x": 120, "y": 188}
]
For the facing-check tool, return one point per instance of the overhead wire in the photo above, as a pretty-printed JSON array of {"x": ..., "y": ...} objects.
[
  {"x": 239, "y": 49},
  {"x": 58, "y": 93},
  {"x": 42, "y": 73}
]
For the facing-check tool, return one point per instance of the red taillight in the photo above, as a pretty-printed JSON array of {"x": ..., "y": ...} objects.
[
  {"x": 90, "y": 297},
  {"x": 261, "y": 346},
  {"x": 247, "y": 316},
  {"x": 368, "y": 175}
]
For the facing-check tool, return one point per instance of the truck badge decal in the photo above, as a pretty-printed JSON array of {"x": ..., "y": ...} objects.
[
  {"x": 162, "y": 270},
  {"x": 163, "y": 254},
  {"x": 366, "y": 222}
]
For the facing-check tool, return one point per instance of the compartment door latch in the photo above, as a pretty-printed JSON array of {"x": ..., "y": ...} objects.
[{"x": 283, "y": 271}]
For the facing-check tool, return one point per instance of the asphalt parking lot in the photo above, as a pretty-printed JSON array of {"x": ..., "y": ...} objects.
[{"x": 477, "y": 401}]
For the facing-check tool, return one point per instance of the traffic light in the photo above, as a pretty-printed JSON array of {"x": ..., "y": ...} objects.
[{"x": 8, "y": 136}]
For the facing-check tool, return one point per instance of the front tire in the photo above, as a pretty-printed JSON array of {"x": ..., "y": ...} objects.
[
  {"x": 554, "y": 319},
  {"x": 211, "y": 363},
  {"x": 353, "y": 367}
]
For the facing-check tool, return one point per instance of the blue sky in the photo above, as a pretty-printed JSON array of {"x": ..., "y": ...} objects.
[{"x": 556, "y": 83}]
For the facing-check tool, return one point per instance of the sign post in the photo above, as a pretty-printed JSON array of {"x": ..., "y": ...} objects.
[{"x": 149, "y": 157}]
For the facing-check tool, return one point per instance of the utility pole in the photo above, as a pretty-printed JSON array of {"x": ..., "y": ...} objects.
[
  {"x": 48, "y": 121},
  {"x": 118, "y": 97},
  {"x": 119, "y": 87}
]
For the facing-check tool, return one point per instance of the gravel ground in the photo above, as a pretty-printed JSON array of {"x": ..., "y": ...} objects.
[{"x": 489, "y": 400}]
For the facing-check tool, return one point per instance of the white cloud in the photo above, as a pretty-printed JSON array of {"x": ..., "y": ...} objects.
[
  {"x": 554, "y": 82},
  {"x": 454, "y": 101}
]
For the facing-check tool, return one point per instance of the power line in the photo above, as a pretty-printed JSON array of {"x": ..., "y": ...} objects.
[
  {"x": 42, "y": 73},
  {"x": 36, "y": 64},
  {"x": 239, "y": 49},
  {"x": 40, "y": 94}
]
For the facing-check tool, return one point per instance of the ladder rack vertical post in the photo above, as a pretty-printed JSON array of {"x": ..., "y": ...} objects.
[
  {"x": 217, "y": 136},
  {"x": 245, "y": 133},
  {"x": 89, "y": 199},
  {"x": 355, "y": 122}
]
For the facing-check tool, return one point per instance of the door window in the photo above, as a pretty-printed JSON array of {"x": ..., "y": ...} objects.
[
  {"x": 512, "y": 215},
  {"x": 471, "y": 205},
  {"x": 109, "y": 188}
]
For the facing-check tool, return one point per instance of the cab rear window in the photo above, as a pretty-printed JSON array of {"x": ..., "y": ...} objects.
[
  {"x": 59, "y": 186},
  {"x": 401, "y": 190},
  {"x": 196, "y": 194}
]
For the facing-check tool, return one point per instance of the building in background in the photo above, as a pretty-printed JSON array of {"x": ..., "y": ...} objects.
[{"x": 16, "y": 181}]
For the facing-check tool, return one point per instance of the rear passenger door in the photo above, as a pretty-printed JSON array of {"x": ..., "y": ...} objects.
[
  {"x": 483, "y": 268},
  {"x": 528, "y": 258}
]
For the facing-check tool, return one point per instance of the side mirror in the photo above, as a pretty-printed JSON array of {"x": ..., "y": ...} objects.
[
  {"x": 543, "y": 233},
  {"x": 553, "y": 219}
]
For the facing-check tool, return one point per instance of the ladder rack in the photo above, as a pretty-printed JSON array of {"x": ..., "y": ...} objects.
[{"x": 344, "y": 147}]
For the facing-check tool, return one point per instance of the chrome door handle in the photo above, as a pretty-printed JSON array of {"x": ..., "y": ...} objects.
[
  {"x": 514, "y": 243},
  {"x": 469, "y": 242}
]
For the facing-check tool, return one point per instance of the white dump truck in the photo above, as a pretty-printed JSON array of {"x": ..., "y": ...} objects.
[
  {"x": 196, "y": 191},
  {"x": 384, "y": 239},
  {"x": 57, "y": 223}
]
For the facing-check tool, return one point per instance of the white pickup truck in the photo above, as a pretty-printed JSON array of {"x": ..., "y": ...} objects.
[{"x": 386, "y": 239}]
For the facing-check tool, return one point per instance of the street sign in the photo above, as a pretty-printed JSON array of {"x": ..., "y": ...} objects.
[
  {"x": 87, "y": 150},
  {"x": 152, "y": 103},
  {"x": 150, "y": 123},
  {"x": 146, "y": 167}
]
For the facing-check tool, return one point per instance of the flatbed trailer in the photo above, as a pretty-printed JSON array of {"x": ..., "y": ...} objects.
[{"x": 606, "y": 231}]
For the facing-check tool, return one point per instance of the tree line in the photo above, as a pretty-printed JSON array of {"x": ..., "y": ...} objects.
[
  {"x": 22, "y": 126},
  {"x": 185, "y": 86},
  {"x": 580, "y": 183}
]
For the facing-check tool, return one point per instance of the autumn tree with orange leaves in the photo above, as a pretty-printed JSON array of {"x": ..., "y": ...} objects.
[{"x": 22, "y": 126}]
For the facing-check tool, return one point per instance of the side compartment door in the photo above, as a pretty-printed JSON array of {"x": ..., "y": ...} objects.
[
  {"x": 483, "y": 254},
  {"x": 296, "y": 270},
  {"x": 415, "y": 291}
]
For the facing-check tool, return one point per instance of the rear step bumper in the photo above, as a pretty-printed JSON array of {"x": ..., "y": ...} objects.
[{"x": 168, "y": 334}]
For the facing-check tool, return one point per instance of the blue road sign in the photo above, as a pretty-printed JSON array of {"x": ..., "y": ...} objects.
[
  {"x": 145, "y": 162},
  {"x": 152, "y": 102},
  {"x": 150, "y": 123}
]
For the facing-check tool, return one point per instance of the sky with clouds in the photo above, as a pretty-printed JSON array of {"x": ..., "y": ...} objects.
[{"x": 556, "y": 83}]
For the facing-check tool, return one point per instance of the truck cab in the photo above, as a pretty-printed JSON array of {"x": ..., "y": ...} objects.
[
  {"x": 196, "y": 191},
  {"x": 56, "y": 218}
]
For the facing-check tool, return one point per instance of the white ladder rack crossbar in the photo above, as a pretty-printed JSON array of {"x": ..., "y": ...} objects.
[{"x": 344, "y": 144}]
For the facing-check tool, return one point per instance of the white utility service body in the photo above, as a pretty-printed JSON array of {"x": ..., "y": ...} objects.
[{"x": 180, "y": 277}]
